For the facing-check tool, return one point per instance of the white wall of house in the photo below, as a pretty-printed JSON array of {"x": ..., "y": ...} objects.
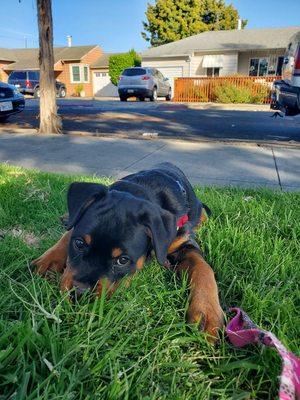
[
  {"x": 230, "y": 65},
  {"x": 196, "y": 66},
  {"x": 244, "y": 58},
  {"x": 171, "y": 68},
  {"x": 191, "y": 67},
  {"x": 233, "y": 63},
  {"x": 168, "y": 62}
]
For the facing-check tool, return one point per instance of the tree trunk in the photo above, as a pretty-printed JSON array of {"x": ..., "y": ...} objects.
[{"x": 50, "y": 121}]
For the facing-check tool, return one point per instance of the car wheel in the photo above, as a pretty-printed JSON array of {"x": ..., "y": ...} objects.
[
  {"x": 62, "y": 92},
  {"x": 123, "y": 98},
  {"x": 154, "y": 95},
  {"x": 169, "y": 95},
  {"x": 37, "y": 93},
  {"x": 3, "y": 118},
  {"x": 290, "y": 112}
]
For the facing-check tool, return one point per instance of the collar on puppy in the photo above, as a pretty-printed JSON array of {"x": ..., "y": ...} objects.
[{"x": 182, "y": 221}]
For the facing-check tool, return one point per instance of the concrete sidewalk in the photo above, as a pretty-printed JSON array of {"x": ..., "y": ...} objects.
[{"x": 207, "y": 163}]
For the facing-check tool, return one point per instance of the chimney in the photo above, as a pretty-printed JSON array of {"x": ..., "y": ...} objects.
[
  {"x": 69, "y": 40},
  {"x": 239, "y": 24}
]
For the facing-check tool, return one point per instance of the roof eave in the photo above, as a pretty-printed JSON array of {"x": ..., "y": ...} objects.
[
  {"x": 167, "y": 55},
  {"x": 98, "y": 66},
  {"x": 238, "y": 50}
]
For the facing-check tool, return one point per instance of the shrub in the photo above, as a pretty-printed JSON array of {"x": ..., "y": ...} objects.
[
  {"x": 118, "y": 62},
  {"x": 250, "y": 92},
  {"x": 229, "y": 93},
  {"x": 78, "y": 89},
  {"x": 199, "y": 93},
  {"x": 262, "y": 92}
]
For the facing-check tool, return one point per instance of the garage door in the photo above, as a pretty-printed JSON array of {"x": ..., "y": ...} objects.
[
  {"x": 103, "y": 86},
  {"x": 171, "y": 73}
]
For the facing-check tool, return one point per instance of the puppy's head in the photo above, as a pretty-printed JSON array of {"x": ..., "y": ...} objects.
[{"x": 112, "y": 233}]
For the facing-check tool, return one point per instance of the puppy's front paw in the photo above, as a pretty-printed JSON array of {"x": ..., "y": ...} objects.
[
  {"x": 208, "y": 316},
  {"x": 50, "y": 260}
]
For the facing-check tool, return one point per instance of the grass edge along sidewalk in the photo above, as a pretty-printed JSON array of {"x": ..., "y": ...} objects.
[{"x": 136, "y": 345}]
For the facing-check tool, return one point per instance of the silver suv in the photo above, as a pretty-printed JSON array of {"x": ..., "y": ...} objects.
[{"x": 143, "y": 83}]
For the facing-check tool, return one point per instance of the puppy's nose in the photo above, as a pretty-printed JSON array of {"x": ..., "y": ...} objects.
[
  {"x": 80, "y": 287},
  {"x": 80, "y": 290}
]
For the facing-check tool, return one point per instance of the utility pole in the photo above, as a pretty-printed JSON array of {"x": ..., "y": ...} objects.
[{"x": 25, "y": 40}]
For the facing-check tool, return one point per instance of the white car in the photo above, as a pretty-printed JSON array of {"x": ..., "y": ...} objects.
[{"x": 143, "y": 83}]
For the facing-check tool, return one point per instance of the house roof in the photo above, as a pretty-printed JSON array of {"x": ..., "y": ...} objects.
[
  {"x": 238, "y": 40},
  {"x": 103, "y": 60},
  {"x": 5, "y": 54},
  {"x": 28, "y": 58}
]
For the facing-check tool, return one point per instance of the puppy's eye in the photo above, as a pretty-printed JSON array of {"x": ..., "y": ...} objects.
[
  {"x": 123, "y": 260},
  {"x": 79, "y": 244}
]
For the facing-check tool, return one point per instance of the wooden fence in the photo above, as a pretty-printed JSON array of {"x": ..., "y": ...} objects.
[{"x": 255, "y": 89}]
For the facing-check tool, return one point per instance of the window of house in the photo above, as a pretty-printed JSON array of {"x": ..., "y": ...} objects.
[
  {"x": 279, "y": 65},
  {"x": 213, "y": 71},
  {"x": 101, "y": 74},
  {"x": 272, "y": 65},
  {"x": 79, "y": 73},
  {"x": 75, "y": 73},
  {"x": 258, "y": 66},
  {"x": 85, "y": 74}
]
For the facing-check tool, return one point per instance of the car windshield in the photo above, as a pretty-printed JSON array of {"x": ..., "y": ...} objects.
[
  {"x": 35, "y": 75},
  {"x": 134, "y": 72},
  {"x": 18, "y": 75}
]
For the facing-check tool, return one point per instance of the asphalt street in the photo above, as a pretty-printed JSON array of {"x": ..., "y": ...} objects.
[{"x": 164, "y": 119}]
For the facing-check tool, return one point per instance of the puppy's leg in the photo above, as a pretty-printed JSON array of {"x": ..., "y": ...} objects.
[
  {"x": 204, "y": 307},
  {"x": 55, "y": 258}
]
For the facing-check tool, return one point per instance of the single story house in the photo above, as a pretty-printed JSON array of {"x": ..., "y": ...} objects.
[
  {"x": 250, "y": 52},
  {"x": 73, "y": 65}
]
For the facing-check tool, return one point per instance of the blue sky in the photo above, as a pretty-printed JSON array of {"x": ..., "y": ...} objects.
[{"x": 116, "y": 24}]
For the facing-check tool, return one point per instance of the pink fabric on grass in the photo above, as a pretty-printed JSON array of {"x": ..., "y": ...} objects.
[{"x": 242, "y": 331}]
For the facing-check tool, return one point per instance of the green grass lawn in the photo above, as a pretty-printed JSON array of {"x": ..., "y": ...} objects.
[{"x": 137, "y": 345}]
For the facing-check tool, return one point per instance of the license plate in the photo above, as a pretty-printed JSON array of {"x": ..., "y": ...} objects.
[
  {"x": 6, "y": 106},
  {"x": 17, "y": 85},
  {"x": 130, "y": 91}
]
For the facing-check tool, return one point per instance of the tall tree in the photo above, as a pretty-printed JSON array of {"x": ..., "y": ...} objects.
[
  {"x": 170, "y": 20},
  {"x": 50, "y": 122}
]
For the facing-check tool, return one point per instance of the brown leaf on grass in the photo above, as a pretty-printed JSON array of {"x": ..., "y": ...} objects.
[
  {"x": 35, "y": 193},
  {"x": 27, "y": 237}
]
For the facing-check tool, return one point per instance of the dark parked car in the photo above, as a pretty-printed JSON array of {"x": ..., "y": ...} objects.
[
  {"x": 286, "y": 92},
  {"x": 28, "y": 82},
  {"x": 11, "y": 101}
]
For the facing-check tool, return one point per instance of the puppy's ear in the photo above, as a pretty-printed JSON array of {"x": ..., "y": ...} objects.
[
  {"x": 161, "y": 228},
  {"x": 81, "y": 195}
]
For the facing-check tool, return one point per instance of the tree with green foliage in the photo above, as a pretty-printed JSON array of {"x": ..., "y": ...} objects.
[
  {"x": 118, "y": 62},
  {"x": 171, "y": 20}
]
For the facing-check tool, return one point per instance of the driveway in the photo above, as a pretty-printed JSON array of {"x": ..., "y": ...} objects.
[{"x": 165, "y": 119}]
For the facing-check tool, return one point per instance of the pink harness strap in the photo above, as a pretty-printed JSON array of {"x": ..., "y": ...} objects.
[{"x": 242, "y": 331}]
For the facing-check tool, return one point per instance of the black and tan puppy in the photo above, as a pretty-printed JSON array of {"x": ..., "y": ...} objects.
[{"x": 112, "y": 230}]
